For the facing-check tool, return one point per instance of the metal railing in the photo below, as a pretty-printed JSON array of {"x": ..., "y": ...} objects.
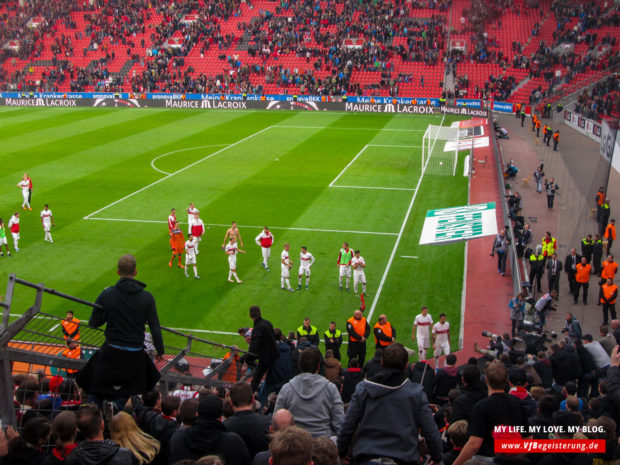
[{"x": 35, "y": 338}]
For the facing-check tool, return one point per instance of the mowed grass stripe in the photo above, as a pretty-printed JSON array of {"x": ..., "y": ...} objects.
[
  {"x": 84, "y": 174},
  {"x": 45, "y": 121},
  {"x": 37, "y": 142}
]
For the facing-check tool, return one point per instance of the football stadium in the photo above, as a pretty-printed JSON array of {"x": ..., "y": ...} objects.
[{"x": 296, "y": 232}]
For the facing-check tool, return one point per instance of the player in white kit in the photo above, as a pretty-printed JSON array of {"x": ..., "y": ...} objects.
[
  {"x": 24, "y": 184},
  {"x": 14, "y": 228},
  {"x": 190, "y": 255},
  {"x": 191, "y": 211},
  {"x": 421, "y": 329},
  {"x": 358, "y": 264},
  {"x": 441, "y": 338},
  {"x": 231, "y": 251},
  {"x": 47, "y": 221},
  {"x": 265, "y": 240},
  {"x": 306, "y": 259},
  {"x": 287, "y": 264}
]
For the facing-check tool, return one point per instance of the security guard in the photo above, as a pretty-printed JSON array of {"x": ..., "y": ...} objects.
[
  {"x": 548, "y": 135},
  {"x": 358, "y": 330},
  {"x": 556, "y": 140},
  {"x": 608, "y": 299},
  {"x": 548, "y": 110},
  {"x": 538, "y": 125},
  {"x": 309, "y": 332},
  {"x": 522, "y": 117},
  {"x": 70, "y": 327},
  {"x": 610, "y": 230},
  {"x": 384, "y": 333},
  {"x": 72, "y": 351},
  {"x": 587, "y": 247},
  {"x": 537, "y": 261},
  {"x": 559, "y": 107},
  {"x": 582, "y": 279},
  {"x": 545, "y": 133},
  {"x": 333, "y": 340},
  {"x": 549, "y": 245},
  {"x": 518, "y": 110},
  {"x": 597, "y": 250},
  {"x": 534, "y": 120}
]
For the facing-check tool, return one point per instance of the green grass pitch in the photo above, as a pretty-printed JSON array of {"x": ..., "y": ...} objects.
[{"x": 124, "y": 169}]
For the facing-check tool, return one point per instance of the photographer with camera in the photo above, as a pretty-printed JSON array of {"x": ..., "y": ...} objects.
[
  {"x": 544, "y": 305},
  {"x": 572, "y": 328},
  {"x": 517, "y": 311}
]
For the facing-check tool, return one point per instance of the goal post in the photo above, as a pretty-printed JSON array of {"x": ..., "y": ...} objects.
[{"x": 440, "y": 150}]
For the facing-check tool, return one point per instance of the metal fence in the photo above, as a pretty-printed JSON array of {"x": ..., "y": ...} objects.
[{"x": 34, "y": 345}]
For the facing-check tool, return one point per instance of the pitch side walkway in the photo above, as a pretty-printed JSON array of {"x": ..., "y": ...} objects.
[
  {"x": 487, "y": 292},
  {"x": 572, "y": 166}
]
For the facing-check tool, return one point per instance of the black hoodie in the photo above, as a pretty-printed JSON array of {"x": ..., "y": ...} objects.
[
  {"x": 98, "y": 453},
  {"x": 126, "y": 309}
]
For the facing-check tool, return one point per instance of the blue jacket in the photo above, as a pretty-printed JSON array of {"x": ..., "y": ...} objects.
[{"x": 389, "y": 410}]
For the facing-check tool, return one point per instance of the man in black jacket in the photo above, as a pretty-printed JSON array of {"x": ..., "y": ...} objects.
[
  {"x": 570, "y": 267},
  {"x": 95, "y": 450},
  {"x": 252, "y": 427},
  {"x": 473, "y": 390},
  {"x": 208, "y": 436},
  {"x": 121, "y": 367},
  {"x": 262, "y": 346}
]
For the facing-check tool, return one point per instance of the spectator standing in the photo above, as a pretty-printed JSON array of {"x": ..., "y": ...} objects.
[
  {"x": 551, "y": 187},
  {"x": 95, "y": 450},
  {"x": 280, "y": 420},
  {"x": 572, "y": 328},
  {"x": 607, "y": 340},
  {"x": 517, "y": 311},
  {"x": 262, "y": 345},
  {"x": 554, "y": 269},
  {"x": 333, "y": 368},
  {"x": 499, "y": 408},
  {"x": 27, "y": 448},
  {"x": 373, "y": 366},
  {"x": 387, "y": 414},
  {"x": 445, "y": 379},
  {"x": 351, "y": 377},
  {"x": 252, "y": 427},
  {"x": 64, "y": 430},
  {"x": 539, "y": 175},
  {"x": 281, "y": 370},
  {"x": 121, "y": 367},
  {"x": 208, "y": 436},
  {"x": 291, "y": 446},
  {"x": 500, "y": 247},
  {"x": 314, "y": 401},
  {"x": 471, "y": 392}
]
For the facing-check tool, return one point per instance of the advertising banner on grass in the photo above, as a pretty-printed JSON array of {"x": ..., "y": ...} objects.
[{"x": 447, "y": 225}]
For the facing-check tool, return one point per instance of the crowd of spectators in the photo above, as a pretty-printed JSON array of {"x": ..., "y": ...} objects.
[
  {"x": 600, "y": 99},
  {"x": 576, "y": 382},
  {"x": 303, "y": 28}
]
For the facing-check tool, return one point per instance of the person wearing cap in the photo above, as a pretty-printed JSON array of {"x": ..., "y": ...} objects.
[
  {"x": 208, "y": 436},
  {"x": 518, "y": 383}
]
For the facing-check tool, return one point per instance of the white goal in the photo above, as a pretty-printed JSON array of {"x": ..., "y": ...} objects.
[{"x": 440, "y": 150}]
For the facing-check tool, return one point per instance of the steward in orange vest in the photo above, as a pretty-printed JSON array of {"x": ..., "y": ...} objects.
[
  {"x": 556, "y": 139},
  {"x": 72, "y": 351},
  {"x": 358, "y": 330},
  {"x": 232, "y": 372},
  {"x": 71, "y": 327},
  {"x": 384, "y": 333},
  {"x": 610, "y": 234},
  {"x": 582, "y": 279},
  {"x": 609, "y": 293},
  {"x": 534, "y": 121}
]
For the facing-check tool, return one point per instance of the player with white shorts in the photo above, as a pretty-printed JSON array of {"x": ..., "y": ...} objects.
[
  {"x": 358, "y": 264},
  {"x": 232, "y": 250},
  {"x": 287, "y": 264},
  {"x": 265, "y": 240},
  {"x": 47, "y": 221},
  {"x": 306, "y": 259},
  {"x": 441, "y": 337},
  {"x": 14, "y": 227},
  {"x": 344, "y": 264},
  {"x": 190, "y": 255},
  {"x": 24, "y": 184},
  {"x": 191, "y": 211},
  {"x": 421, "y": 330}
]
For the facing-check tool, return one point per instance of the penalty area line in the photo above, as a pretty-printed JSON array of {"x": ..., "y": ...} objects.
[
  {"x": 376, "y": 188},
  {"x": 343, "y": 231}
]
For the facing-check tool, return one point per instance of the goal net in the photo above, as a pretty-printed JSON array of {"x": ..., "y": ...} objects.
[{"x": 440, "y": 149}]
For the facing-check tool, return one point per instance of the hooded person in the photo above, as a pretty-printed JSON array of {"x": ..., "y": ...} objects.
[
  {"x": 386, "y": 415},
  {"x": 208, "y": 436},
  {"x": 312, "y": 399}
]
